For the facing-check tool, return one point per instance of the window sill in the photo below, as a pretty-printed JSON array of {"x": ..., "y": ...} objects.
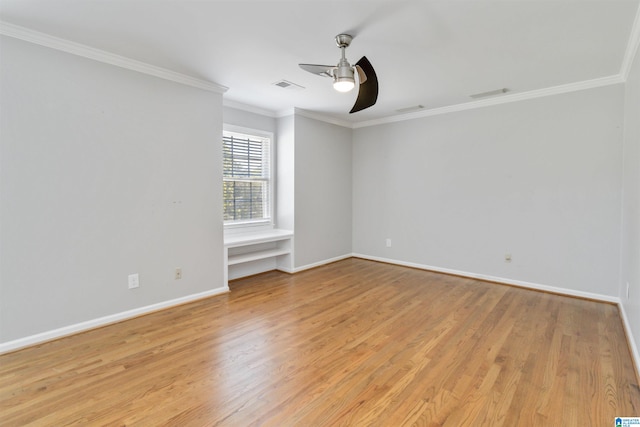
[{"x": 247, "y": 227}]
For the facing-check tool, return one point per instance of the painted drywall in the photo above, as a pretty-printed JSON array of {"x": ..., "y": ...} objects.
[
  {"x": 313, "y": 190},
  {"x": 322, "y": 191},
  {"x": 247, "y": 119},
  {"x": 630, "y": 259},
  {"x": 537, "y": 179},
  {"x": 105, "y": 172},
  {"x": 285, "y": 173}
]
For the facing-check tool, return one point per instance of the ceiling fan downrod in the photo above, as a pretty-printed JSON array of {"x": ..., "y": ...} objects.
[{"x": 343, "y": 76}]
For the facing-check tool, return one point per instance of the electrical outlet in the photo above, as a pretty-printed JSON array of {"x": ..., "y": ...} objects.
[
  {"x": 178, "y": 274},
  {"x": 134, "y": 281},
  {"x": 388, "y": 243},
  {"x": 507, "y": 258}
]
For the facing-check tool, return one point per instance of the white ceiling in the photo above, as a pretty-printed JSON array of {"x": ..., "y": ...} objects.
[{"x": 433, "y": 53}]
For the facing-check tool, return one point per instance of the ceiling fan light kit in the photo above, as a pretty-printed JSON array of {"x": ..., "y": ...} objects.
[
  {"x": 343, "y": 77},
  {"x": 344, "y": 84},
  {"x": 344, "y": 74}
]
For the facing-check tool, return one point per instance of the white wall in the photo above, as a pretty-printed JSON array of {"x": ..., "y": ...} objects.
[
  {"x": 539, "y": 179},
  {"x": 104, "y": 172},
  {"x": 285, "y": 178},
  {"x": 630, "y": 265},
  {"x": 285, "y": 185},
  {"x": 322, "y": 191}
]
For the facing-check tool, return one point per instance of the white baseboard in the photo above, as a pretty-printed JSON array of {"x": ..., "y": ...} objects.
[
  {"x": 102, "y": 321},
  {"x": 635, "y": 354},
  {"x": 502, "y": 280},
  {"x": 320, "y": 263}
]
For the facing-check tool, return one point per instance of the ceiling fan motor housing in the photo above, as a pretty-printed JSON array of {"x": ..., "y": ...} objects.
[
  {"x": 343, "y": 71},
  {"x": 343, "y": 40}
]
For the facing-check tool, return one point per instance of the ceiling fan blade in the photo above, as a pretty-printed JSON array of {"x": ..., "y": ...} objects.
[
  {"x": 321, "y": 70},
  {"x": 362, "y": 77},
  {"x": 368, "y": 92}
]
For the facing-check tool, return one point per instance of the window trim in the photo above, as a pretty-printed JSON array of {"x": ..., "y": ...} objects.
[{"x": 239, "y": 225}]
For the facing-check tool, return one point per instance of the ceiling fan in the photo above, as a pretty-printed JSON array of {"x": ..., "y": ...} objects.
[{"x": 344, "y": 73}]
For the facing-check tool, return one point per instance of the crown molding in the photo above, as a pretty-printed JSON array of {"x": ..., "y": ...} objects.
[
  {"x": 249, "y": 108},
  {"x": 26, "y": 34},
  {"x": 505, "y": 99},
  {"x": 286, "y": 112},
  {"x": 321, "y": 117},
  {"x": 632, "y": 47},
  {"x": 85, "y": 51}
]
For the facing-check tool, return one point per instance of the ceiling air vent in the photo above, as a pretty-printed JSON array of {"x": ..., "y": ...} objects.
[
  {"x": 411, "y": 109},
  {"x": 285, "y": 84},
  {"x": 490, "y": 93}
]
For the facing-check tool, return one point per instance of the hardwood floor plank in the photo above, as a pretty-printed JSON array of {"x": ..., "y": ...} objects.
[{"x": 351, "y": 343}]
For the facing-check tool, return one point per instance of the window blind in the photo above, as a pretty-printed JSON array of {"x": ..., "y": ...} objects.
[{"x": 246, "y": 177}]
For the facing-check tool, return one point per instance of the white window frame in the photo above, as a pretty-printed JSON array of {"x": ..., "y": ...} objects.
[{"x": 266, "y": 223}]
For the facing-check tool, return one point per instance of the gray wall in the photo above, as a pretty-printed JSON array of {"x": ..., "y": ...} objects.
[
  {"x": 322, "y": 191},
  {"x": 237, "y": 117},
  {"x": 313, "y": 187},
  {"x": 630, "y": 271},
  {"x": 538, "y": 179},
  {"x": 104, "y": 172}
]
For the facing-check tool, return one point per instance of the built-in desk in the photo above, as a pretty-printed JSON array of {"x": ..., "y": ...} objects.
[{"x": 246, "y": 247}]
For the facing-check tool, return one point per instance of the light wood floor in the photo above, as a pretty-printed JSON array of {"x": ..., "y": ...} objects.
[{"x": 354, "y": 343}]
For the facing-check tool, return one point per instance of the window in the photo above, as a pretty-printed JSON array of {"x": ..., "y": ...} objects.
[{"x": 247, "y": 184}]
